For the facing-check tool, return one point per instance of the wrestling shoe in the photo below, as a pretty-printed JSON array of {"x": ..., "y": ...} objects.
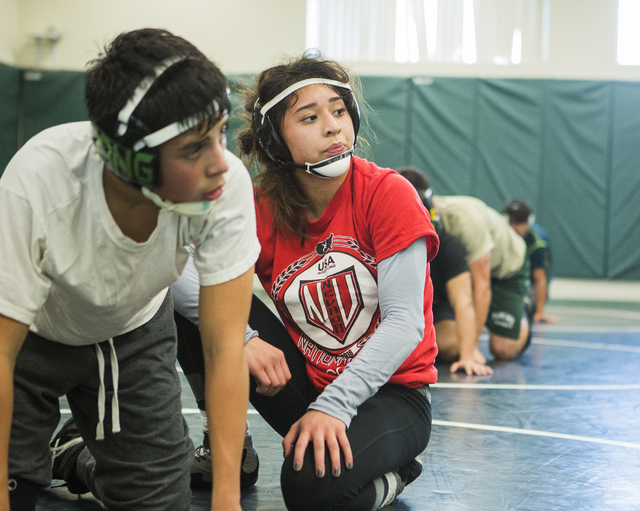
[
  {"x": 202, "y": 474},
  {"x": 395, "y": 482},
  {"x": 65, "y": 449}
]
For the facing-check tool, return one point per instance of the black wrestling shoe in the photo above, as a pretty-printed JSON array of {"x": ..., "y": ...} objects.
[
  {"x": 202, "y": 473},
  {"x": 410, "y": 472},
  {"x": 65, "y": 449},
  {"x": 395, "y": 482}
]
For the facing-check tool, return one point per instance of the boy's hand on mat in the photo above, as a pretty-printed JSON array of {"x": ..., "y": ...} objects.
[
  {"x": 267, "y": 365},
  {"x": 471, "y": 367},
  {"x": 320, "y": 429}
]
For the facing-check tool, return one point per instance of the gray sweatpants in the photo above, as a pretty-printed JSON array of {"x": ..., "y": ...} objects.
[{"x": 143, "y": 467}]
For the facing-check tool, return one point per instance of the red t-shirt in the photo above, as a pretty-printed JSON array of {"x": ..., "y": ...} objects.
[{"x": 326, "y": 290}]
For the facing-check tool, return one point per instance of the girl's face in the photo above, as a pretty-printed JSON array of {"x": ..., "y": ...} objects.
[
  {"x": 193, "y": 165},
  {"x": 317, "y": 126}
]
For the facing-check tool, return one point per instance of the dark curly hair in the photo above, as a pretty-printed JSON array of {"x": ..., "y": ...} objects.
[{"x": 186, "y": 89}]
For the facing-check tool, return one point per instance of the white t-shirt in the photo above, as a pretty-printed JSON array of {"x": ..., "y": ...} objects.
[{"x": 68, "y": 271}]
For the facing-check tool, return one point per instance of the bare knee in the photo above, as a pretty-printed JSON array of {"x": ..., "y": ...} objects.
[{"x": 504, "y": 348}]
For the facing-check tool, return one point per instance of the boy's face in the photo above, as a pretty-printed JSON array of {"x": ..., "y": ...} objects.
[{"x": 192, "y": 165}]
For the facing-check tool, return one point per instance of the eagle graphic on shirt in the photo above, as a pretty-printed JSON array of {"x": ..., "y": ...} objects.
[{"x": 331, "y": 294}]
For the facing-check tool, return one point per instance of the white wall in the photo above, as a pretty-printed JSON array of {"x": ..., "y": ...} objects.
[
  {"x": 233, "y": 33},
  {"x": 582, "y": 45},
  {"x": 8, "y": 30},
  {"x": 244, "y": 36}
]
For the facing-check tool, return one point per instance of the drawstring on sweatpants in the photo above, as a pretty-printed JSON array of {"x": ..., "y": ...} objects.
[{"x": 115, "y": 405}]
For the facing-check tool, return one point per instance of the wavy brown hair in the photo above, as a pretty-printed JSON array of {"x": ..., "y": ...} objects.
[{"x": 277, "y": 181}]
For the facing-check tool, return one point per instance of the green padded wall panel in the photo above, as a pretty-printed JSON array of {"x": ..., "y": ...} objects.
[
  {"x": 442, "y": 132},
  {"x": 386, "y": 116},
  {"x": 624, "y": 194},
  {"x": 10, "y": 86},
  {"x": 573, "y": 191},
  {"x": 508, "y": 141},
  {"x": 50, "y": 98}
]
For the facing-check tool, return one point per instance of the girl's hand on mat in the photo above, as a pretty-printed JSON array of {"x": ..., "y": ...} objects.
[
  {"x": 268, "y": 365},
  {"x": 320, "y": 429}
]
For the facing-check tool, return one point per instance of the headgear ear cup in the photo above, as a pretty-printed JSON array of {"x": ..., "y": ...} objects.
[
  {"x": 139, "y": 167},
  {"x": 268, "y": 136}
]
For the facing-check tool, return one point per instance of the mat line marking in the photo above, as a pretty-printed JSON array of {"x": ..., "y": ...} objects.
[
  {"x": 595, "y": 311},
  {"x": 579, "y": 344},
  {"x": 533, "y": 432},
  {"x": 483, "y": 427},
  {"x": 514, "y": 386}
]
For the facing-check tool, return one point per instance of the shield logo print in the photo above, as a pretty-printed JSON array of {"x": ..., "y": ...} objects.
[{"x": 334, "y": 303}]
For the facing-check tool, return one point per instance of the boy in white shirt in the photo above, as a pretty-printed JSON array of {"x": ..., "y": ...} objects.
[{"x": 99, "y": 218}]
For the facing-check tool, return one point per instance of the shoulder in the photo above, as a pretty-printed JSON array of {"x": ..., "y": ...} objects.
[
  {"x": 237, "y": 173},
  {"x": 368, "y": 176},
  {"x": 538, "y": 231},
  {"x": 56, "y": 159}
]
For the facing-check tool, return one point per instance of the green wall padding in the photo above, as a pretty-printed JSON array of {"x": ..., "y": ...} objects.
[
  {"x": 442, "y": 132},
  {"x": 508, "y": 141},
  {"x": 574, "y": 166},
  {"x": 386, "y": 119},
  {"x": 624, "y": 191},
  {"x": 50, "y": 98},
  {"x": 570, "y": 148},
  {"x": 10, "y": 86}
]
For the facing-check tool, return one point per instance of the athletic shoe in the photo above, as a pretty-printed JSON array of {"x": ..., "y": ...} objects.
[
  {"x": 65, "y": 449},
  {"x": 395, "y": 482},
  {"x": 410, "y": 472},
  {"x": 201, "y": 472}
]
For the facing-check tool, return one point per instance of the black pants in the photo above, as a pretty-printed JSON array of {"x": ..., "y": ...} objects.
[{"x": 390, "y": 429}]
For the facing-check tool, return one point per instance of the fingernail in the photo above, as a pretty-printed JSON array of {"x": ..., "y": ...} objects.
[
  {"x": 349, "y": 465},
  {"x": 319, "y": 472},
  {"x": 336, "y": 472},
  {"x": 296, "y": 467}
]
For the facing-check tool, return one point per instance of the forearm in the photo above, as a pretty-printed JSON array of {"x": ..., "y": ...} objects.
[
  {"x": 540, "y": 287},
  {"x": 224, "y": 312},
  {"x": 481, "y": 279},
  {"x": 12, "y": 335},
  {"x": 6, "y": 408},
  {"x": 227, "y": 394},
  {"x": 481, "y": 303},
  {"x": 467, "y": 330}
]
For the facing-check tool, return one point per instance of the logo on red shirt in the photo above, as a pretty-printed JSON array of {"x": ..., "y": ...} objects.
[{"x": 333, "y": 303}]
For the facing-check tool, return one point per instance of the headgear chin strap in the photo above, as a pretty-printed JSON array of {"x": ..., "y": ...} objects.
[
  {"x": 182, "y": 208},
  {"x": 331, "y": 167},
  {"x": 276, "y": 149}
]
